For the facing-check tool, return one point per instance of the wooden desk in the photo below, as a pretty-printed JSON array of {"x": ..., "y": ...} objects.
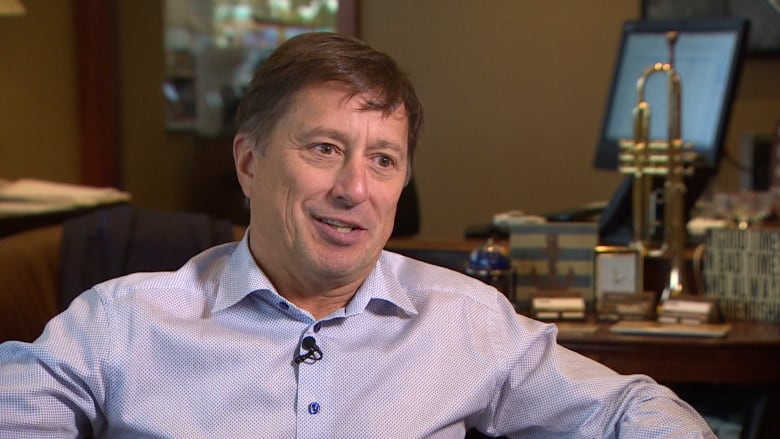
[
  {"x": 749, "y": 354},
  {"x": 12, "y": 224},
  {"x": 739, "y": 372},
  {"x": 445, "y": 251}
]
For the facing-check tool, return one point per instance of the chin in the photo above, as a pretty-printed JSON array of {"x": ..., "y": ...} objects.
[{"x": 340, "y": 264}]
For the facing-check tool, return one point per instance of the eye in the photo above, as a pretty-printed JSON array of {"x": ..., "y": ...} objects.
[
  {"x": 384, "y": 161},
  {"x": 325, "y": 148}
]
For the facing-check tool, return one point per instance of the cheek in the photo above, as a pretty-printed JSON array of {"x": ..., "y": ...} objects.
[
  {"x": 292, "y": 187},
  {"x": 387, "y": 201},
  {"x": 275, "y": 176},
  {"x": 271, "y": 189}
]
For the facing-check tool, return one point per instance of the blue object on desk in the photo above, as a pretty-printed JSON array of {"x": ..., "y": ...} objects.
[{"x": 488, "y": 258}]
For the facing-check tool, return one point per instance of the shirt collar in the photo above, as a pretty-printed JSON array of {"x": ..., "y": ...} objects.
[
  {"x": 241, "y": 277},
  {"x": 382, "y": 283}
]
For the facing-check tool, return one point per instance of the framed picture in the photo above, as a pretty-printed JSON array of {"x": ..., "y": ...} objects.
[
  {"x": 213, "y": 47},
  {"x": 764, "y": 17},
  {"x": 616, "y": 270}
]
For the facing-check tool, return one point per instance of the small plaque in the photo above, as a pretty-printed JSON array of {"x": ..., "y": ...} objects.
[
  {"x": 558, "y": 305},
  {"x": 689, "y": 310},
  {"x": 622, "y": 306}
]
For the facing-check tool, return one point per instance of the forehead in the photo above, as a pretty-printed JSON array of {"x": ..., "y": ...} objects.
[
  {"x": 334, "y": 109},
  {"x": 325, "y": 97}
]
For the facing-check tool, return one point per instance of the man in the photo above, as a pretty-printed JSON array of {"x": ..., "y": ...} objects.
[{"x": 306, "y": 328}]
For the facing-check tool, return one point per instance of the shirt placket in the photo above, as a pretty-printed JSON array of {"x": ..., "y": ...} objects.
[{"x": 311, "y": 408}]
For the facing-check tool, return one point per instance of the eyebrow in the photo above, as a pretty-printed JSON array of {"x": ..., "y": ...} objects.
[
  {"x": 398, "y": 149},
  {"x": 331, "y": 133},
  {"x": 339, "y": 136}
]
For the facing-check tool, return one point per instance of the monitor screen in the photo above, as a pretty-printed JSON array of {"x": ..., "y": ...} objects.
[{"x": 707, "y": 56}]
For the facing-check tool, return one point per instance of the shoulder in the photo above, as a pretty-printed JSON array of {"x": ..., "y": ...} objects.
[
  {"x": 472, "y": 311},
  {"x": 424, "y": 282},
  {"x": 184, "y": 291}
]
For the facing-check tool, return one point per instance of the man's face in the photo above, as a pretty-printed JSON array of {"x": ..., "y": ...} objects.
[{"x": 323, "y": 194}]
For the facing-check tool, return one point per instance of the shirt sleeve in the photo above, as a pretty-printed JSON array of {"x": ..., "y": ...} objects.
[
  {"x": 551, "y": 391},
  {"x": 54, "y": 387}
]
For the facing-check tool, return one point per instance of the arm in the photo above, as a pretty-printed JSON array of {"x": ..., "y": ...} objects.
[
  {"x": 550, "y": 391},
  {"x": 54, "y": 387}
]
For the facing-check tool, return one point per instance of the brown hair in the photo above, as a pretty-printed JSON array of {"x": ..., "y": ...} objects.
[{"x": 319, "y": 57}]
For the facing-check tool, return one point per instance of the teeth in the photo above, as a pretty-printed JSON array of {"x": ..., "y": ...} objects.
[{"x": 340, "y": 227}]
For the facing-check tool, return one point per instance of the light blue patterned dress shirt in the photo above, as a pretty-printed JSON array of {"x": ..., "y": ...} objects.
[{"x": 420, "y": 352}]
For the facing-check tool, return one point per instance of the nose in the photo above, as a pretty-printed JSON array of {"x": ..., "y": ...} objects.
[{"x": 350, "y": 186}]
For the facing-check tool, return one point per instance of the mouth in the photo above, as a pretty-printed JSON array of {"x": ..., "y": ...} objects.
[{"x": 339, "y": 226}]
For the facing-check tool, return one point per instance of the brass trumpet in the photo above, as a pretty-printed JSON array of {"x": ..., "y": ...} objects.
[{"x": 646, "y": 160}]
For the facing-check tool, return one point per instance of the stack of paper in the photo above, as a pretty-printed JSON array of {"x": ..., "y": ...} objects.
[{"x": 31, "y": 196}]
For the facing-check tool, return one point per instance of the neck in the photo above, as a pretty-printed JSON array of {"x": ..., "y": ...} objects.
[
  {"x": 317, "y": 296},
  {"x": 318, "y": 291},
  {"x": 319, "y": 305}
]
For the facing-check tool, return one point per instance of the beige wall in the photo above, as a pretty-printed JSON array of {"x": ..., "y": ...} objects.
[
  {"x": 38, "y": 120},
  {"x": 157, "y": 164},
  {"x": 514, "y": 94}
]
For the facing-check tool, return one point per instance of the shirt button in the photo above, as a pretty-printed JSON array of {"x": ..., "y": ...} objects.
[
  {"x": 314, "y": 408},
  {"x": 284, "y": 305},
  {"x": 317, "y": 327}
]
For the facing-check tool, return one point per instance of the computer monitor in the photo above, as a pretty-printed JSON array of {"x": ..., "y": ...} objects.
[{"x": 708, "y": 57}]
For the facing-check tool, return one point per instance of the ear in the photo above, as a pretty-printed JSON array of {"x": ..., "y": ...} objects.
[{"x": 244, "y": 156}]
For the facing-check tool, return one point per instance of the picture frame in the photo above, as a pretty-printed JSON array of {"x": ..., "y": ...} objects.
[
  {"x": 617, "y": 269},
  {"x": 212, "y": 48},
  {"x": 763, "y": 15}
]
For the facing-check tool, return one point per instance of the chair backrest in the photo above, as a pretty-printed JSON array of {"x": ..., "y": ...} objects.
[
  {"x": 43, "y": 269},
  {"x": 29, "y": 282},
  {"x": 119, "y": 240}
]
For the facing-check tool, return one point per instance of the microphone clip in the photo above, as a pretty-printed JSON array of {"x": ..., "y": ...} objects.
[{"x": 312, "y": 354}]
